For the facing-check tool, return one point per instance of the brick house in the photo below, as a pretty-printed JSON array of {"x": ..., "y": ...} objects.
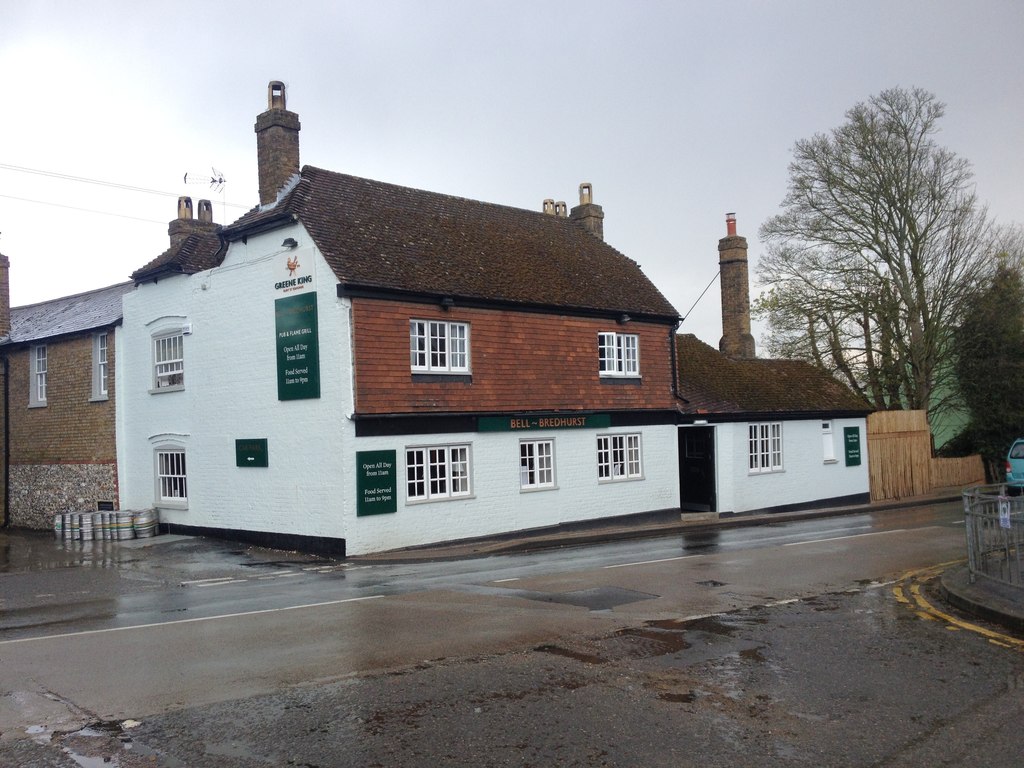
[
  {"x": 357, "y": 366},
  {"x": 60, "y": 374},
  {"x": 762, "y": 434}
]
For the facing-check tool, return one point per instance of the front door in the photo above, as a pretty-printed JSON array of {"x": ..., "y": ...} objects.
[{"x": 697, "y": 469}]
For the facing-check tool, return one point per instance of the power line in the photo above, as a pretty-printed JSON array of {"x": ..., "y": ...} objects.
[
  {"x": 87, "y": 210},
  {"x": 702, "y": 294},
  {"x": 86, "y": 180}
]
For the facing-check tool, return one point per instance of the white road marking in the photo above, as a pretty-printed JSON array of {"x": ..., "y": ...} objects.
[
  {"x": 841, "y": 538},
  {"x": 220, "y": 583},
  {"x": 192, "y": 621},
  {"x": 649, "y": 562},
  {"x": 200, "y": 582},
  {"x": 503, "y": 581}
]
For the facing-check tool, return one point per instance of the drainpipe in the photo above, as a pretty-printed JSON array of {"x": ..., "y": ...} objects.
[{"x": 7, "y": 441}]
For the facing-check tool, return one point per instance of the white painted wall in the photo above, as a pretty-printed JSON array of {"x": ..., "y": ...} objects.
[
  {"x": 498, "y": 505},
  {"x": 231, "y": 393},
  {"x": 806, "y": 477},
  {"x": 309, "y": 487}
]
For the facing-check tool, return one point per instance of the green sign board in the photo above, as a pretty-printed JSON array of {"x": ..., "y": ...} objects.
[
  {"x": 376, "y": 483},
  {"x": 298, "y": 347},
  {"x": 521, "y": 423},
  {"x": 851, "y": 442},
  {"x": 252, "y": 453}
]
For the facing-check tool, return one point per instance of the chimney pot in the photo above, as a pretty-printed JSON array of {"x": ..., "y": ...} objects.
[
  {"x": 205, "y": 212},
  {"x": 549, "y": 207},
  {"x": 185, "y": 208},
  {"x": 586, "y": 193},
  {"x": 275, "y": 95},
  {"x": 730, "y": 224},
  {"x": 561, "y": 209}
]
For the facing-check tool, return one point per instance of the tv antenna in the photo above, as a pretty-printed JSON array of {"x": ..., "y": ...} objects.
[{"x": 216, "y": 180}]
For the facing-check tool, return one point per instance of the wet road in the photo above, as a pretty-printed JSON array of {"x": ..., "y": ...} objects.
[
  {"x": 781, "y": 643},
  {"x": 65, "y": 587}
]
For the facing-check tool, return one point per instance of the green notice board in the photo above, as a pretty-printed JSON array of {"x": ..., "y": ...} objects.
[
  {"x": 376, "y": 480},
  {"x": 851, "y": 443},
  {"x": 252, "y": 453},
  {"x": 298, "y": 347}
]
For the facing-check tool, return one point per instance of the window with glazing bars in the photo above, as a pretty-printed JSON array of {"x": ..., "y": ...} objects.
[
  {"x": 619, "y": 458},
  {"x": 37, "y": 389},
  {"x": 169, "y": 361},
  {"x": 536, "y": 464},
  {"x": 437, "y": 472},
  {"x": 171, "y": 476},
  {"x": 618, "y": 354},
  {"x": 764, "y": 443},
  {"x": 439, "y": 347}
]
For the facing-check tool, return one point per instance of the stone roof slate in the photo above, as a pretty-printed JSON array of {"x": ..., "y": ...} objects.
[
  {"x": 379, "y": 236},
  {"x": 69, "y": 314},
  {"x": 714, "y": 383}
]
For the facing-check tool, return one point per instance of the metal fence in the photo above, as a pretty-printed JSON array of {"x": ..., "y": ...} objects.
[{"x": 995, "y": 534}]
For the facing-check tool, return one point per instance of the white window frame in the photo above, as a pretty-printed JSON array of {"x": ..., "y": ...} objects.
[
  {"x": 100, "y": 365},
  {"x": 618, "y": 354},
  {"x": 764, "y": 447},
  {"x": 437, "y": 472},
  {"x": 168, "y": 368},
  {"x": 536, "y": 464},
  {"x": 439, "y": 346},
  {"x": 620, "y": 457},
  {"x": 828, "y": 446},
  {"x": 171, "y": 476},
  {"x": 38, "y": 376}
]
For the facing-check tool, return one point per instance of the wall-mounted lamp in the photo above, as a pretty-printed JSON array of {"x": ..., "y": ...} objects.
[
  {"x": 447, "y": 302},
  {"x": 290, "y": 242},
  {"x": 624, "y": 318}
]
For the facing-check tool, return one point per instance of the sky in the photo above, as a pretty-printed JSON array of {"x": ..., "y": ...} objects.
[{"x": 676, "y": 112}]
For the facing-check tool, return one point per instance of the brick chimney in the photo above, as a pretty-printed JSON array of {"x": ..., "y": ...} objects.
[
  {"x": 587, "y": 214},
  {"x": 736, "y": 340},
  {"x": 277, "y": 144},
  {"x": 5, "y": 296},
  {"x": 185, "y": 225}
]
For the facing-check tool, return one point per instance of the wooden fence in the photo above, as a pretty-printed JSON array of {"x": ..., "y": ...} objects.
[{"x": 900, "y": 459}]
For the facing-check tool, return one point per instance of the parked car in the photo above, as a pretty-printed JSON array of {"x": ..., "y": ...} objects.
[{"x": 1015, "y": 468}]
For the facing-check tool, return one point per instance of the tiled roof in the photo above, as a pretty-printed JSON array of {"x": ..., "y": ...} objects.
[
  {"x": 714, "y": 383},
  {"x": 194, "y": 254},
  {"x": 68, "y": 314},
  {"x": 385, "y": 237}
]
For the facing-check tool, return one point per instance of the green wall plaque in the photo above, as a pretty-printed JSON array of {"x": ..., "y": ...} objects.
[
  {"x": 851, "y": 442},
  {"x": 298, "y": 347},
  {"x": 376, "y": 483},
  {"x": 252, "y": 453}
]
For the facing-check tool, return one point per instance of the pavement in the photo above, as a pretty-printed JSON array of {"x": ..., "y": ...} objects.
[{"x": 985, "y": 598}]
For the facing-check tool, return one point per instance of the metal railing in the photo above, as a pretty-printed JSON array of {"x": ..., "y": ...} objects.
[{"x": 995, "y": 534}]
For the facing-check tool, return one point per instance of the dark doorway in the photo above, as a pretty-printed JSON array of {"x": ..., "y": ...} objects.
[{"x": 697, "y": 469}]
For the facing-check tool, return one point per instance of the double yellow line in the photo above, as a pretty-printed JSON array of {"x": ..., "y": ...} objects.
[{"x": 912, "y": 581}]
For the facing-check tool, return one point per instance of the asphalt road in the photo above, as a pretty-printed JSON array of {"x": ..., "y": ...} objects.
[{"x": 784, "y": 643}]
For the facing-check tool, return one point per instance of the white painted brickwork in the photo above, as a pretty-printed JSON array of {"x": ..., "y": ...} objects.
[
  {"x": 497, "y": 504},
  {"x": 805, "y": 476}
]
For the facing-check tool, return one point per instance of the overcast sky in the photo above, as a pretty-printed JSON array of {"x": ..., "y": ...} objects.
[{"x": 676, "y": 112}]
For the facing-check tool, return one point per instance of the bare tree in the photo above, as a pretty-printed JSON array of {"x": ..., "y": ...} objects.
[{"x": 878, "y": 250}]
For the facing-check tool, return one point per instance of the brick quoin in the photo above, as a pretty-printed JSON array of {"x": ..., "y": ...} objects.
[{"x": 519, "y": 361}]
